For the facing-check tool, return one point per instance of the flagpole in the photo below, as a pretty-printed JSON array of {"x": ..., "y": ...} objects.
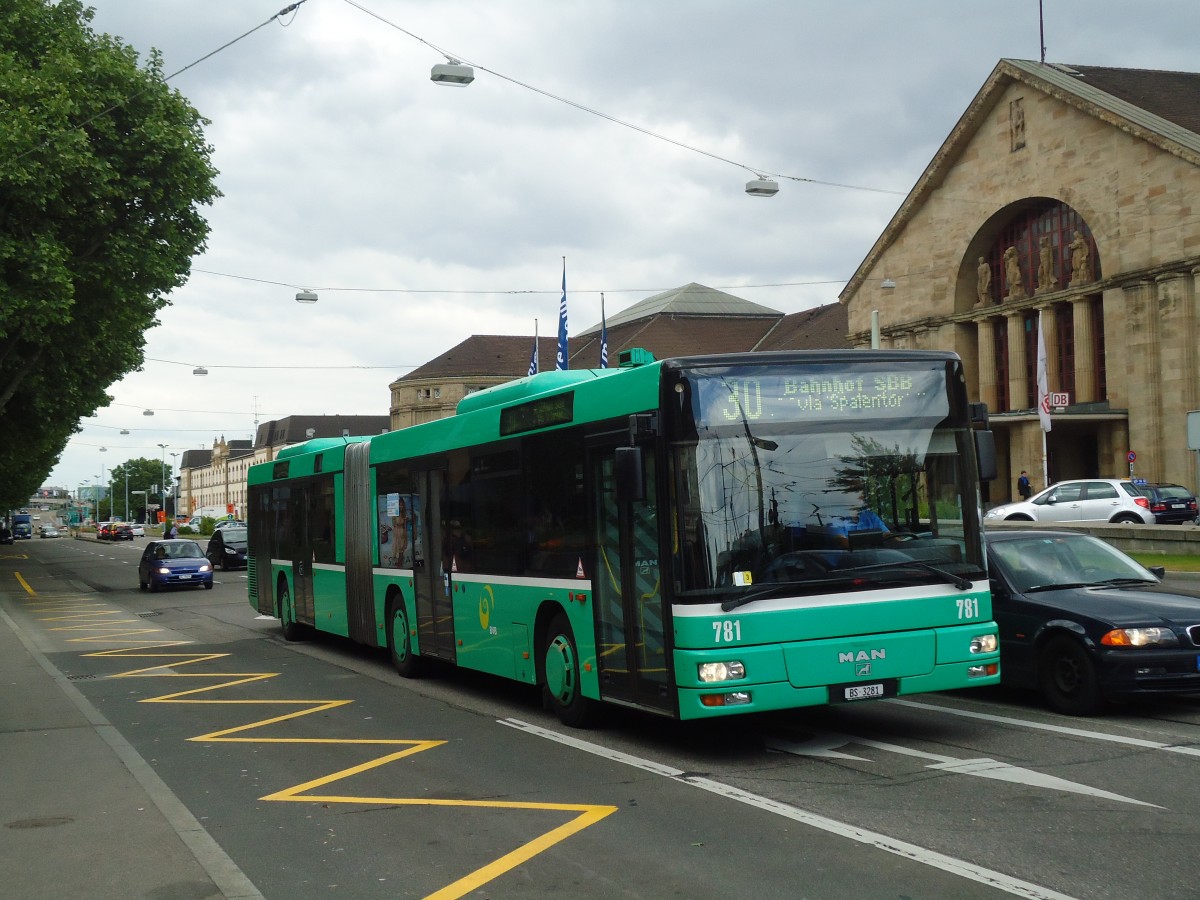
[
  {"x": 603, "y": 335},
  {"x": 1043, "y": 398}
]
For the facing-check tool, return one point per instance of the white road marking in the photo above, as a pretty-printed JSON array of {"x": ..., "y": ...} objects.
[
  {"x": 1057, "y": 729},
  {"x": 909, "y": 851},
  {"x": 979, "y": 767}
]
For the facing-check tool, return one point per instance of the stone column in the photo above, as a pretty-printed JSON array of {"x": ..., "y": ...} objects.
[
  {"x": 1018, "y": 384},
  {"x": 1050, "y": 336},
  {"x": 987, "y": 363},
  {"x": 1085, "y": 350},
  {"x": 1139, "y": 388}
]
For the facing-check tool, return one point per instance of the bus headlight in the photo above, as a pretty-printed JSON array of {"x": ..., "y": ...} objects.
[
  {"x": 984, "y": 643},
  {"x": 721, "y": 671}
]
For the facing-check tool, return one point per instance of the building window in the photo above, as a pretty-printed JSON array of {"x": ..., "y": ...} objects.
[
  {"x": 1064, "y": 340},
  {"x": 1000, "y": 341},
  {"x": 1024, "y": 232}
]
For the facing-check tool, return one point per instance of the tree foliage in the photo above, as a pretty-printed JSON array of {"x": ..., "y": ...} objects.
[
  {"x": 145, "y": 474},
  {"x": 103, "y": 171}
]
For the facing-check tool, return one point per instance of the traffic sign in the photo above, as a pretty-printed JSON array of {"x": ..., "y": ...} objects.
[{"x": 1131, "y": 456}]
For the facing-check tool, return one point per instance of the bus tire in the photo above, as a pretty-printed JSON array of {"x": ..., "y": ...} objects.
[
  {"x": 561, "y": 686},
  {"x": 292, "y": 630},
  {"x": 406, "y": 663}
]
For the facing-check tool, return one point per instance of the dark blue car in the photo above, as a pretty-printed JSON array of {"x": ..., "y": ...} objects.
[
  {"x": 174, "y": 563},
  {"x": 1085, "y": 624}
]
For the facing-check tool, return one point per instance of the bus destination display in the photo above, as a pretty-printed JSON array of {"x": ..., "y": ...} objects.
[{"x": 805, "y": 396}]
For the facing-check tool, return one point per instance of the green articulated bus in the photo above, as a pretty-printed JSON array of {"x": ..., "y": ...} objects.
[{"x": 695, "y": 537}]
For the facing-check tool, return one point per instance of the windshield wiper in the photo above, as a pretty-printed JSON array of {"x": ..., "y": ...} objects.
[
  {"x": 1125, "y": 580},
  {"x": 949, "y": 577},
  {"x": 1057, "y": 586}
]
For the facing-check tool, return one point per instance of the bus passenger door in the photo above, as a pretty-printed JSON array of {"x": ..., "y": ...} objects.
[
  {"x": 435, "y": 610},
  {"x": 302, "y": 558},
  {"x": 627, "y": 586}
]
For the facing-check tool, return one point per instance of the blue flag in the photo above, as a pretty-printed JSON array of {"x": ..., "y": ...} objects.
[
  {"x": 533, "y": 359},
  {"x": 603, "y": 336},
  {"x": 562, "y": 362}
]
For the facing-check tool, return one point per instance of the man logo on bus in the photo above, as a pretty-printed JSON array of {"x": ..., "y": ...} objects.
[{"x": 862, "y": 656}]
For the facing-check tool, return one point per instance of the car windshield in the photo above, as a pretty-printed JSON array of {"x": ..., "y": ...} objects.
[
  {"x": 234, "y": 537},
  {"x": 1171, "y": 492},
  {"x": 181, "y": 550},
  {"x": 1042, "y": 562}
]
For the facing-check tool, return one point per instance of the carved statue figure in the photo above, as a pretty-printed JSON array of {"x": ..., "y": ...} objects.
[
  {"x": 983, "y": 289},
  {"x": 1012, "y": 274},
  {"x": 1046, "y": 280},
  {"x": 1081, "y": 261}
]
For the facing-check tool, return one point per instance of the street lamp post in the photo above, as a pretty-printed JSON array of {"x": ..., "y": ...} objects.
[
  {"x": 163, "y": 486},
  {"x": 103, "y": 485},
  {"x": 174, "y": 489}
]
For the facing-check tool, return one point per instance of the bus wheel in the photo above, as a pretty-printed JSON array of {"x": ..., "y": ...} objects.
[
  {"x": 292, "y": 630},
  {"x": 406, "y": 663},
  {"x": 561, "y": 687}
]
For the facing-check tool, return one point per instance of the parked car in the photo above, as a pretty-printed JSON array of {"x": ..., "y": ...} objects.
[
  {"x": 174, "y": 563},
  {"x": 1096, "y": 500},
  {"x": 138, "y": 530},
  {"x": 6, "y": 535},
  {"x": 1172, "y": 504},
  {"x": 227, "y": 548},
  {"x": 1084, "y": 624},
  {"x": 48, "y": 531}
]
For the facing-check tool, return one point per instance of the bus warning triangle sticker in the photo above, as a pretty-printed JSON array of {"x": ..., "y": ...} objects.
[{"x": 579, "y": 569}]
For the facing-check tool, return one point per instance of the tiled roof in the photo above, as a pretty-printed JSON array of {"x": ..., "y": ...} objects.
[
  {"x": 822, "y": 328},
  {"x": 1174, "y": 96},
  {"x": 294, "y": 429},
  {"x": 690, "y": 300},
  {"x": 488, "y": 356},
  {"x": 686, "y": 321}
]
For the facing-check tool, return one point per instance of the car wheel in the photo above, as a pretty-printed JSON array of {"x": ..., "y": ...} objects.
[
  {"x": 560, "y": 669},
  {"x": 208, "y": 585},
  {"x": 1126, "y": 519},
  {"x": 406, "y": 663},
  {"x": 1068, "y": 678}
]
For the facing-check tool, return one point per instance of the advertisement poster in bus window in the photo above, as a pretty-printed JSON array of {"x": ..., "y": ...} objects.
[{"x": 397, "y": 519}]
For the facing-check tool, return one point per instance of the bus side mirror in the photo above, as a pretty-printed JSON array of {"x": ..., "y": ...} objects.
[
  {"x": 985, "y": 453},
  {"x": 627, "y": 468}
]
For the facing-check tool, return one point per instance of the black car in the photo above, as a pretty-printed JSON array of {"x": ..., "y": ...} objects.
[
  {"x": 1083, "y": 623},
  {"x": 119, "y": 531},
  {"x": 227, "y": 548},
  {"x": 1172, "y": 504}
]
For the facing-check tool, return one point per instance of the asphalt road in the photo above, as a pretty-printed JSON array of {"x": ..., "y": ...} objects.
[{"x": 318, "y": 771}]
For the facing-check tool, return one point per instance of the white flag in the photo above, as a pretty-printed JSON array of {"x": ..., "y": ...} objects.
[{"x": 1043, "y": 378}]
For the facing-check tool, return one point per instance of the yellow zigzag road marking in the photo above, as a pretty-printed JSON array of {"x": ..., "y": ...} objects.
[{"x": 586, "y": 814}]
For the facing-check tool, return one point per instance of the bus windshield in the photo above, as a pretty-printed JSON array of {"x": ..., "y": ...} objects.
[{"x": 822, "y": 479}]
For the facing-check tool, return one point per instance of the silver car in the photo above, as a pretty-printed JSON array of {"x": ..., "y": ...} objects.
[{"x": 1115, "y": 501}]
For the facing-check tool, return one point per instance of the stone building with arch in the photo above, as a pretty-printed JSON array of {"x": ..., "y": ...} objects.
[{"x": 1069, "y": 195}]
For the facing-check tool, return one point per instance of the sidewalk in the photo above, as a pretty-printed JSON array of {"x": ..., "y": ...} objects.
[{"x": 83, "y": 814}]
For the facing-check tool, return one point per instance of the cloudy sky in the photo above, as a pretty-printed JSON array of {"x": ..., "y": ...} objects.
[{"x": 422, "y": 214}]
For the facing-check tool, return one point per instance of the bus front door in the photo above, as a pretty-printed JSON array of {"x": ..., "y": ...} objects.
[
  {"x": 302, "y": 558},
  {"x": 633, "y": 660},
  {"x": 435, "y": 610}
]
